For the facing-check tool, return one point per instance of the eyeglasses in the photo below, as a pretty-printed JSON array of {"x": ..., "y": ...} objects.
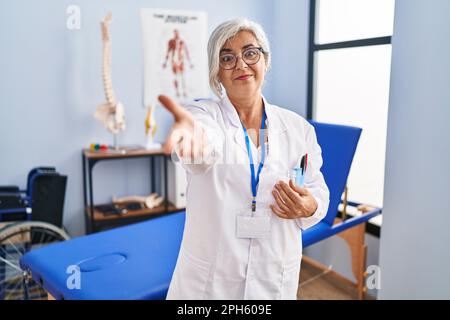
[{"x": 250, "y": 56}]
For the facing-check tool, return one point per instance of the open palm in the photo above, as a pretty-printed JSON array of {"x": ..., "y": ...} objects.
[{"x": 185, "y": 136}]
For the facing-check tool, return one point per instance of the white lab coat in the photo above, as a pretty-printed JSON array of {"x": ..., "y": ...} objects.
[{"x": 213, "y": 263}]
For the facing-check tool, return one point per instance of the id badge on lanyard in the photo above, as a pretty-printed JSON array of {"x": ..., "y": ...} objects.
[{"x": 254, "y": 226}]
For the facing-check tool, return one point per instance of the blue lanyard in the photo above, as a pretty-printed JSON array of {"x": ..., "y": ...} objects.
[{"x": 255, "y": 180}]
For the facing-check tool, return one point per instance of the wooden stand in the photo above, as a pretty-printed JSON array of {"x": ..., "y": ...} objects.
[
  {"x": 96, "y": 220},
  {"x": 355, "y": 238}
]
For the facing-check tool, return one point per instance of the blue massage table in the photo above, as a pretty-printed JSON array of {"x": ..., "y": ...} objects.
[{"x": 137, "y": 261}]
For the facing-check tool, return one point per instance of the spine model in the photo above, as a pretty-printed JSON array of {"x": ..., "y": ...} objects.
[{"x": 111, "y": 113}]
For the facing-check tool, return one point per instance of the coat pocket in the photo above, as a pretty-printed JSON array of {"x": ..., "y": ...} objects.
[
  {"x": 291, "y": 277},
  {"x": 191, "y": 277},
  {"x": 265, "y": 281}
]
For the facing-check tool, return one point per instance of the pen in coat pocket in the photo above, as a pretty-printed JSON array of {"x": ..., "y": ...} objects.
[{"x": 301, "y": 171}]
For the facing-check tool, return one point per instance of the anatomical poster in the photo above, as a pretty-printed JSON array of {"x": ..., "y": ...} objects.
[{"x": 175, "y": 56}]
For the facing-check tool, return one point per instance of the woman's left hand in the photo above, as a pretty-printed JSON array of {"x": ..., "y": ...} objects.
[{"x": 292, "y": 201}]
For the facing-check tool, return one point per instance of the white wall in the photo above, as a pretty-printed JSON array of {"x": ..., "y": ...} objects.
[
  {"x": 414, "y": 249},
  {"x": 288, "y": 81}
]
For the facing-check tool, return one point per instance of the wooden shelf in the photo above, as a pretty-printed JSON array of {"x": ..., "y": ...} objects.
[
  {"x": 96, "y": 220},
  {"x": 99, "y": 216},
  {"x": 123, "y": 153}
]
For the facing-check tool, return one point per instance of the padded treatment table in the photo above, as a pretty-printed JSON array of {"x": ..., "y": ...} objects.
[
  {"x": 137, "y": 261},
  {"x": 338, "y": 145},
  {"x": 132, "y": 262}
]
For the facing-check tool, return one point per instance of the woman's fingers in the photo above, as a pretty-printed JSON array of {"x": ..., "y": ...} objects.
[
  {"x": 178, "y": 112},
  {"x": 186, "y": 146},
  {"x": 173, "y": 139},
  {"x": 290, "y": 202},
  {"x": 179, "y": 148},
  {"x": 279, "y": 212},
  {"x": 182, "y": 132},
  {"x": 301, "y": 191},
  {"x": 279, "y": 201},
  {"x": 188, "y": 140},
  {"x": 195, "y": 145},
  {"x": 288, "y": 199},
  {"x": 203, "y": 144}
]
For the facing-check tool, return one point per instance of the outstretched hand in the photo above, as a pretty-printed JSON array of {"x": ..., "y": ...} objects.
[{"x": 184, "y": 136}]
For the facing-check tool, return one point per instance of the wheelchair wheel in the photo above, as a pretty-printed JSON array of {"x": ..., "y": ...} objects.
[{"x": 16, "y": 239}]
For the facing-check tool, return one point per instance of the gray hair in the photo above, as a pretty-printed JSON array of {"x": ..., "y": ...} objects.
[{"x": 224, "y": 32}]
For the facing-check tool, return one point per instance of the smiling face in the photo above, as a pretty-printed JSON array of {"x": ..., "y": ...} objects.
[{"x": 243, "y": 80}]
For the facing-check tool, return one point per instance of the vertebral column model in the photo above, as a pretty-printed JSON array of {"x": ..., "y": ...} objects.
[{"x": 111, "y": 113}]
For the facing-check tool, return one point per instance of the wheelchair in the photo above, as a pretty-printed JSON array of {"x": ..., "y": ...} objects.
[{"x": 29, "y": 219}]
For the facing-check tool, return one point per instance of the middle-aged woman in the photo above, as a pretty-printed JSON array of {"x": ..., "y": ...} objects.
[{"x": 242, "y": 236}]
